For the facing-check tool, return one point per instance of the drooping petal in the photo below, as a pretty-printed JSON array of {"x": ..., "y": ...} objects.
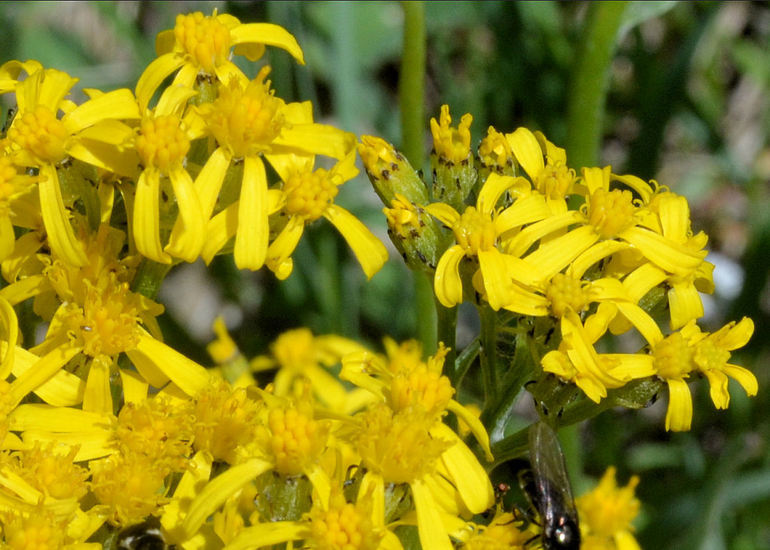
[
  {"x": 253, "y": 231},
  {"x": 185, "y": 373},
  {"x": 718, "y": 388},
  {"x": 189, "y": 231},
  {"x": 280, "y": 250},
  {"x": 685, "y": 304},
  {"x": 468, "y": 476},
  {"x": 269, "y": 34},
  {"x": 220, "y": 229},
  {"x": 446, "y": 282},
  {"x": 527, "y": 151},
  {"x": 744, "y": 377},
  {"x": 147, "y": 217},
  {"x": 97, "y": 397},
  {"x": 497, "y": 282},
  {"x": 209, "y": 181},
  {"x": 368, "y": 249},
  {"x": 490, "y": 193},
  {"x": 9, "y": 337},
  {"x": 218, "y": 490},
  {"x": 679, "y": 413},
  {"x": 60, "y": 234},
  {"x": 154, "y": 75},
  {"x": 433, "y": 535}
]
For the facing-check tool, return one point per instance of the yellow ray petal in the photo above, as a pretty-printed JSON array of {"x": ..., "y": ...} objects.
[
  {"x": 433, "y": 536},
  {"x": 368, "y": 249},
  {"x": 117, "y": 104},
  {"x": 269, "y": 34},
  {"x": 214, "y": 494},
  {"x": 679, "y": 413},
  {"x": 253, "y": 231},
  {"x": 147, "y": 217},
  {"x": 189, "y": 231},
  {"x": 154, "y": 75},
  {"x": 60, "y": 234},
  {"x": 185, "y": 373},
  {"x": 446, "y": 282},
  {"x": 527, "y": 151}
]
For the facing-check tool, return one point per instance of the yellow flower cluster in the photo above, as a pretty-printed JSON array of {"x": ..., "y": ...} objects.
[
  {"x": 102, "y": 424},
  {"x": 591, "y": 251}
]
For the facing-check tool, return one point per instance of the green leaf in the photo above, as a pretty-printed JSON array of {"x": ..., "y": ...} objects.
[{"x": 638, "y": 12}]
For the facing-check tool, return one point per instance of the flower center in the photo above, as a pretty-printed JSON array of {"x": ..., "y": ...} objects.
[
  {"x": 420, "y": 386},
  {"x": 495, "y": 151},
  {"x": 54, "y": 473},
  {"x": 161, "y": 142},
  {"x": 611, "y": 212},
  {"x": 451, "y": 144},
  {"x": 709, "y": 356},
  {"x": 555, "y": 180},
  {"x": 398, "y": 446},
  {"x": 205, "y": 41},
  {"x": 566, "y": 293},
  {"x": 673, "y": 357},
  {"x": 225, "y": 419},
  {"x": 40, "y": 133},
  {"x": 294, "y": 349},
  {"x": 342, "y": 527},
  {"x": 38, "y": 531},
  {"x": 308, "y": 194},
  {"x": 295, "y": 441},
  {"x": 474, "y": 232},
  {"x": 246, "y": 120},
  {"x": 609, "y": 509},
  {"x": 109, "y": 320}
]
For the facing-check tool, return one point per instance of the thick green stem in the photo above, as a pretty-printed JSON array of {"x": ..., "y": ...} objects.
[
  {"x": 585, "y": 112},
  {"x": 426, "y": 311},
  {"x": 411, "y": 92},
  {"x": 411, "y": 85}
]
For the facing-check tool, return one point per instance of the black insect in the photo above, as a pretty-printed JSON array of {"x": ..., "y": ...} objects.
[
  {"x": 547, "y": 487},
  {"x": 144, "y": 536}
]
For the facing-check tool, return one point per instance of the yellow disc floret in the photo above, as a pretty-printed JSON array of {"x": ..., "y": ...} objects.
[
  {"x": 129, "y": 485},
  {"x": 398, "y": 445},
  {"x": 155, "y": 429},
  {"x": 161, "y": 143},
  {"x": 555, "y": 180},
  {"x": 475, "y": 232},
  {"x": 225, "y": 419},
  {"x": 342, "y": 526},
  {"x": 53, "y": 472},
  {"x": 610, "y": 212},
  {"x": 109, "y": 321},
  {"x": 295, "y": 439},
  {"x": 40, "y": 530},
  {"x": 495, "y": 152},
  {"x": 247, "y": 119},
  {"x": 566, "y": 293},
  {"x": 40, "y": 133},
  {"x": 453, "y": 145},
  {"x": 204, "y": 39},
  {"x": 308, "y": 194},
  {"x": 673, "y": 357}
]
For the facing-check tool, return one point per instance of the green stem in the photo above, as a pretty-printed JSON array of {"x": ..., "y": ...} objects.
[
  {"x": 489, "y": 358},
  {"x": 411, "y": 91},
  {"x": 411, "y": 85},
  {"x": 149, "y": 277},
  {"x": 426, "y": 312},
  {"x": 590, "y": 82},
  {"x": 464, "y": 362},
  {"x": 513, "y": 446},
  {"x": 447, "y": 331}
]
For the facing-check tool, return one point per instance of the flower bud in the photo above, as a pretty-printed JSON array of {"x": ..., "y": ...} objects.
[{"x": 390, "y": 172}]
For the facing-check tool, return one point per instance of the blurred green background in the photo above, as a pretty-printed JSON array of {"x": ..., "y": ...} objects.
[{"x": 686, "y": 104}]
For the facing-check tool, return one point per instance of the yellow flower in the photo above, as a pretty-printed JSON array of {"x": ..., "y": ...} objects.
[
  {"x": 162, "y": 141},
  {"x": 249, "y": 121},
  {"x": 40, "y": 139},
  {"x": 301, "y": 357},
  {"x": 201, "y": 44},
  {"x": 606, "y": 514},
  {"x": 306, "y": 196},
  {"x": 478, "y": 232}
]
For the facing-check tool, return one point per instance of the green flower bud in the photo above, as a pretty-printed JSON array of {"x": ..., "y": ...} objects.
[{"x": 390, "y": 172}]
